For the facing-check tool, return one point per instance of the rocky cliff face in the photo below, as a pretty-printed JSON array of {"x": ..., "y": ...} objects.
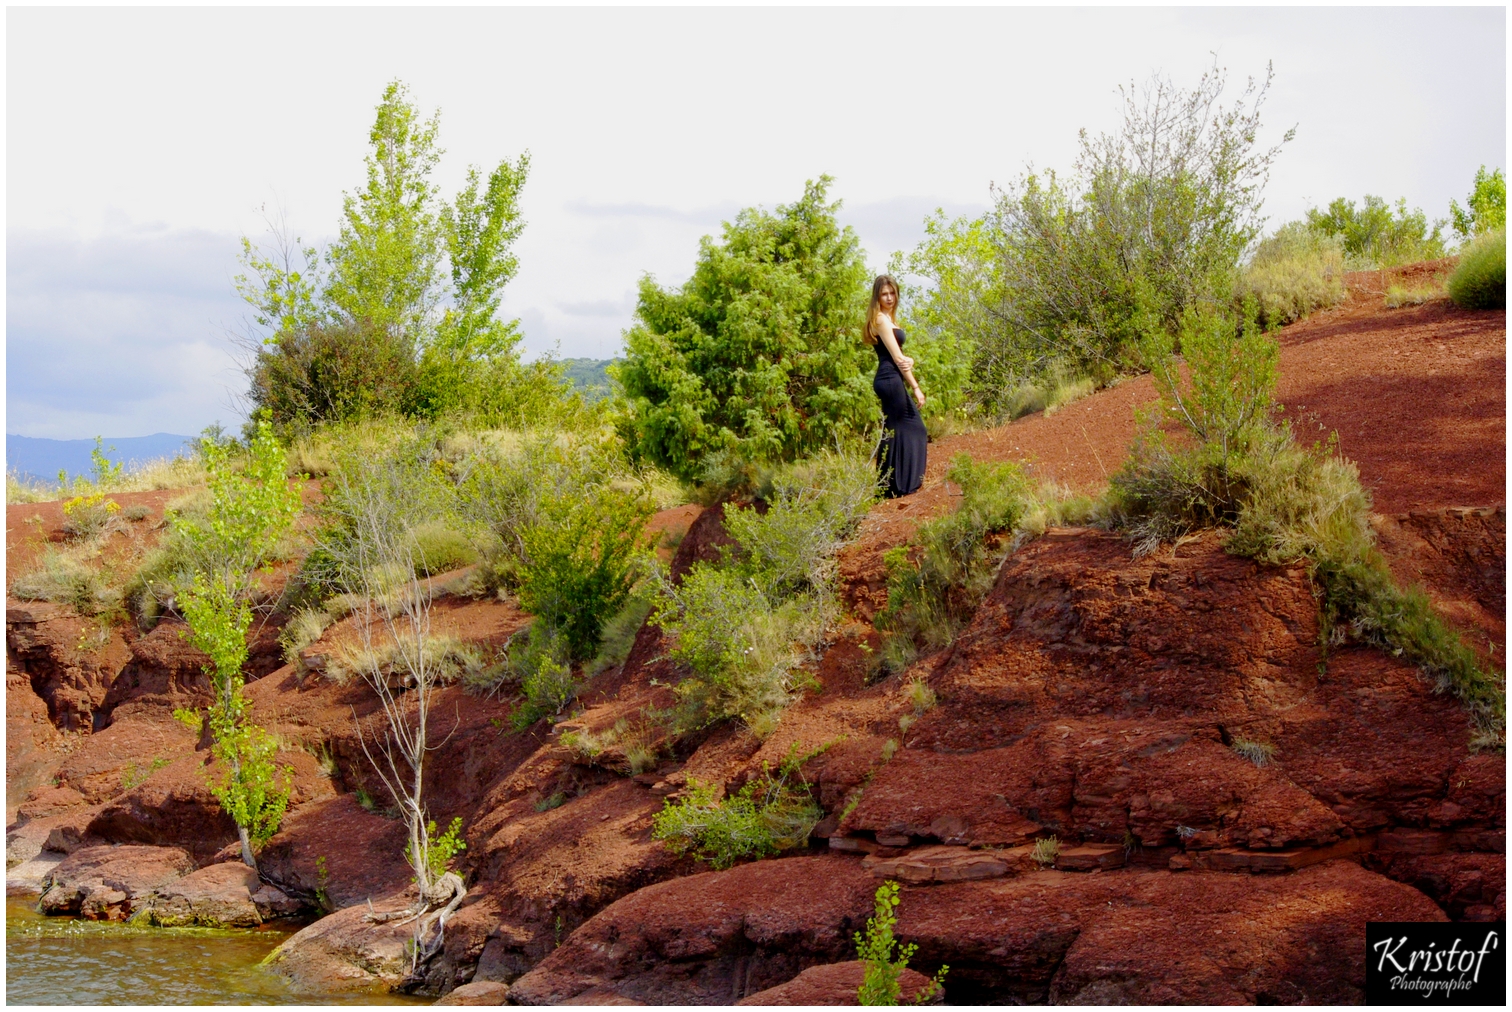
[{"x": 1229, "y": 804}]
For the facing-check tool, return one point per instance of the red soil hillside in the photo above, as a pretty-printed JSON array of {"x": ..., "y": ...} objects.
[{"x": 1098, "y": 699}]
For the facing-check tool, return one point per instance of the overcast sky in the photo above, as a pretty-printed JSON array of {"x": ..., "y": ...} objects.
[{"x": 141, "y": 144}]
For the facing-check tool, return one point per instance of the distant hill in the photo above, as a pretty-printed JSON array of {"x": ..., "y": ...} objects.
[
  {"x": 40, "y": 459},
  {"x": 590, "y": 375}
]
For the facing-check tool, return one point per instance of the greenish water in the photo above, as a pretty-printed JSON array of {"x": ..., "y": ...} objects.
[{"x": 63, "y": 961}]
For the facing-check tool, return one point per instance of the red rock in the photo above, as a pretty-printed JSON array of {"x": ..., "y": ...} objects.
[
  {"x": 111, "y": 882},
  {"x": 480, "y": 992},
  {"x": 219, "y": 896},
  {"x": 946, "y": 864},
  {"x": 834, "y": 984},
  {"x": 710, "y": 938},
  {"x": 344, "y": 953},
  {"x": 1090, "y": 856}
]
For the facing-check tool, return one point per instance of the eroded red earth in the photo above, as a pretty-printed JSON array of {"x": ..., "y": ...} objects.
[{"x": 1117, "y": 705}]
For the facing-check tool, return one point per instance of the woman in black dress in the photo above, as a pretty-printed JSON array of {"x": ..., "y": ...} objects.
[{"x": 905, "y": 444}]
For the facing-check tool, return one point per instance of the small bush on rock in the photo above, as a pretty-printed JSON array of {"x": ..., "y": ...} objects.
[
  {"x": 935, "y": 583},
  {"x": 885, "y": 960},
  {"x": 743, "y": 626},
  {"x": 765, "y": 817}
]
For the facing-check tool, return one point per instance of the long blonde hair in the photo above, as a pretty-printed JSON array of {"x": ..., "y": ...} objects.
[{"x": 883, "y": 280}]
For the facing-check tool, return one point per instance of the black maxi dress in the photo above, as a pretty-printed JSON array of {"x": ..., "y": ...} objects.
[{"x": 905, "y": 443}]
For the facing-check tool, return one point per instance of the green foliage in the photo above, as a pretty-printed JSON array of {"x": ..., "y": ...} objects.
[
  {"x": 758, "y": 352},
  {"x": 621, "y": 630},
  {"x": 384, "y": 266},
  {"x": 1293, "y": 273},
  {"x": 950, "y": 319},
  {"x": 581, "y": 559},
  {"x": 105, "y": 471},
  {"x": 1227, "y": 392},
  {"x": 1045, "y": 851},
  {"x": 935, "y": 584},
  {"x": 191, "y": 719},
  {"x": 251, "y": 507},
  {"x": 1285, "y": 504},
  {"x": 249, "y": 511},
  {"x": 539, "y": 660},
  {"x": 333, "y": 372},
  {"x": 64, "y": 575},
  {"x": 1486, "y": 206},
  {"x": 439, "y": 850},
  {"x": 567, "y": 529},
  {"x": 885, "y": 960},
  {"x": 404, "y": 319},
  {"x": 132, "y": 777},
  {"x": 1479, "y": 280},
  {"x": 1372, "y": 235},
  {"x": 1067, "y": 272},
  {"x": 439, "y": 548},
  {"x": 743, "y": 625},
  {"x": 250, "y": 789},
  {"x": 768, "y": 815}
]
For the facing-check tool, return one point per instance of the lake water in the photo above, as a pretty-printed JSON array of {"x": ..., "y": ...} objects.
[{"x": 64, "y": 961}]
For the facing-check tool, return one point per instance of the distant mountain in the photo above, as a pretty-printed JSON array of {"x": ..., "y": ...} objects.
[
  {"x": 590, "y": 375},
  {"x": 41, "y": 459}
]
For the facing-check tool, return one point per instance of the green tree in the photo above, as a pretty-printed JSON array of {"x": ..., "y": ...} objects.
[
  {"x": 1058, "y": 274},
  {"x": 251, "y": 508},
  {"x": 385, "y": 264},
  {"x": 1487, "y": 205},
  {"x": 1372, "y": 232},
  {"x": 404, "y": 317},
  {"x": 472, "y": 355},
  {"x": 759, "y": 352}
]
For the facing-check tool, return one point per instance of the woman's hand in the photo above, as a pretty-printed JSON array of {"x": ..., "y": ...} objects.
[
  {"x": 918, "y": 395},
  {"x": 905, "y": 363}
]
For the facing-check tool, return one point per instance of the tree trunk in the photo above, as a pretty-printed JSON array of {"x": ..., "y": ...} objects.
[{"x": 246, "y": 847}]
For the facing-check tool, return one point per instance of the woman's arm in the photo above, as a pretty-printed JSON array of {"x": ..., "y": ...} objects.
[{"x": 904, "y": 363}]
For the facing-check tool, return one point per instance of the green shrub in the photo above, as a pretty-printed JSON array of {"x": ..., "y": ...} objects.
[
  {"x": 64, "y": 576},
  {"x": 304, "y": 628},
  {"x": 765, "y": 817},
  {"x": 1293, "y": 273},
  {"x": 1284, "y": 504},
  {"x": 440, "y": 548},
  {"x": 1374, "y": 237},
  {"x": 566, "y": 526},
  {"x": 743, "y": 626},
  {"x": 440, "y": 849},
  {"x": 935, "y": 583},
  {"x": 340, "y": 372},
  {"x": 1398, "y": 296},
  {"x": 1479, "y": 280},
  {"x": 580, "y": 560},
  {"x": 538, "y": 660},
  {"x": 759, "y": 351},
  {"x": 1487, "y": 205},
  {"x": 621, "y": 630},
  {"x": 1045, "y": 851},
  {"x": 885, "y": 960},
  {"x": 1155, "y": 217}
]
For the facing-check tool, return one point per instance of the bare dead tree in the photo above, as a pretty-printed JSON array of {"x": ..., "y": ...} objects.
[{"x": 376, "y": 502}]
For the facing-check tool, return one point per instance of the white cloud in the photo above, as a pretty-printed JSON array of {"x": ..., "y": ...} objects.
[{"x": 646, "y": 127}]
